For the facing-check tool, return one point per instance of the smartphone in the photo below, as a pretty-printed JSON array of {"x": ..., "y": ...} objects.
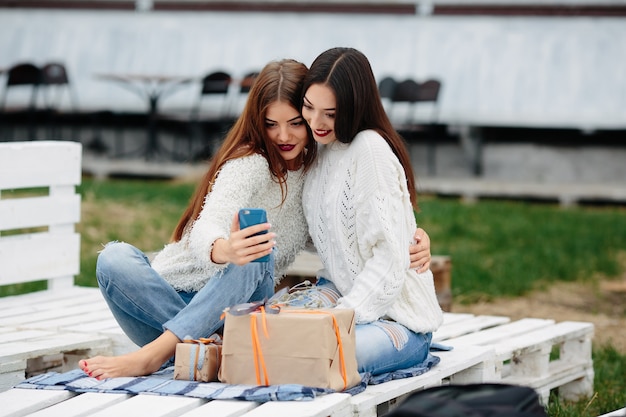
[{"x": 250, "y": 217}]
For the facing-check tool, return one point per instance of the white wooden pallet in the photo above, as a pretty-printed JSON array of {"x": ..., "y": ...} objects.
[
  {"x": 471, "y": 364},
  {"x": 53, "y": 329},
  {"x": 540, "y": 354},
  {"x": 39, "y": 208}
]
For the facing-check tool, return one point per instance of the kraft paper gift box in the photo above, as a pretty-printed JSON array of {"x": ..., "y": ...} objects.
[
  {"x": 198, "y": 360},
  {"x": 314, "y": 348}
]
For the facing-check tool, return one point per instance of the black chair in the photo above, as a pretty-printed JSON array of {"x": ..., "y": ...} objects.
[
  {"x": 414, "y": 94},
  {"x": 55, "y": 81},
  {"x": 18, "y": 76},
  {"x": 244, "y": 88},
  {"x": 386, "y": 89},
  {"x": 216, "y": 84},
  {"x": 246, "y": 82},
  {"x": 25, "y": 74}
]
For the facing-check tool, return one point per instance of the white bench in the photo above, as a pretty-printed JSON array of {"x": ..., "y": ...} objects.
[
  {"x": 39, "y": 208},
  {"x": 52, "y": 329}
]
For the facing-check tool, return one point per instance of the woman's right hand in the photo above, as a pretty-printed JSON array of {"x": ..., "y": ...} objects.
[{"x": 242, "y": 246}]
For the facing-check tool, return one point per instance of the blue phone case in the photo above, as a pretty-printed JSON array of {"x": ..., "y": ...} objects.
[{"x": 249, "y": 217}]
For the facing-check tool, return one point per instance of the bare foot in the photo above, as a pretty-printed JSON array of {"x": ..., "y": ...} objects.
[{"x": 144, "y": 361}]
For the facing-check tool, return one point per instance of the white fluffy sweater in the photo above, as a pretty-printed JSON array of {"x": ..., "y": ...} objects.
[
  {"x": 360, "y": 218},
  {"x": 243, "y": 182}
]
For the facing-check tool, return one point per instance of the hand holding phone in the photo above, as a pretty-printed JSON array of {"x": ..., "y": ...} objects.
[{"x": 249, "y": 217}]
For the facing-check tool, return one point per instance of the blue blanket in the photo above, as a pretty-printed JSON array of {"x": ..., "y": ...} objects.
[{"x": 163, "y": 383}]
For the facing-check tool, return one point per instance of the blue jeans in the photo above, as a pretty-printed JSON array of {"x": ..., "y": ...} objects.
[
  {"x": 381, "y": 346},
  {"x": 145, "y": 305}
]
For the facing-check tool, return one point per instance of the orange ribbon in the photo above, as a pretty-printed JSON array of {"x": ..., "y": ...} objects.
[{"x": 259, "y": 360}]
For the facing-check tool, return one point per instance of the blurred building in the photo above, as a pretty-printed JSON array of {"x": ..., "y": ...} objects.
[{"x": 546, "y": 76}]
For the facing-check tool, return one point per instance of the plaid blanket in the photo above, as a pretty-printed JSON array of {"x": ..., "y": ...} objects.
[{"x": 163, "y": 383}]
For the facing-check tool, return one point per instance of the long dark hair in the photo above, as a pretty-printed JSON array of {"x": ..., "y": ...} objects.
[
  {"x": 278, "y": 81},
  {"x": 348, "y": 73}
]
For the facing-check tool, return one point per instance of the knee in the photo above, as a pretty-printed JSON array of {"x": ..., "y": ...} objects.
[{"x": 114, "y": 257}]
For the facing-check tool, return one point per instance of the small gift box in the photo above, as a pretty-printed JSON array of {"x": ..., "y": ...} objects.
[
  {"x": 311, "y": 347},
  {"x": 198, "y": 359}
]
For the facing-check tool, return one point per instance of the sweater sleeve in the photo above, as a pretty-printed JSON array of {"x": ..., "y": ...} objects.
[
  {"x": 383, "y": 227},
  {"x": 235, "y": 187}
]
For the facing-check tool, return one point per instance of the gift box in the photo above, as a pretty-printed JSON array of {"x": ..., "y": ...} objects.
[
  {"x": 314, "y": 348},
  {"x": 198, "y": 359}
]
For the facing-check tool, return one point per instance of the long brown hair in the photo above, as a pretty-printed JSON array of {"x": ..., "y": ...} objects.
[
  {"x": 348, "y": 73},
  {"x": 278, "y": 81}
]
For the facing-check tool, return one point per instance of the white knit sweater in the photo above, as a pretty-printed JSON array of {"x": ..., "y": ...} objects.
[
  {"x": 243, "y": 182},
  {"x": 360, "y": 218}
]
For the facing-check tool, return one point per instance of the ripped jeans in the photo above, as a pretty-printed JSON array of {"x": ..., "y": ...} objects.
[{"x": 381, "y": 346}]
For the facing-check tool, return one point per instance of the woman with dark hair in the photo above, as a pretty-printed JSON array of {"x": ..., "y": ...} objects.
[
  {"x": 360, "y": 201},
  {"x": 207, "y": 265}
]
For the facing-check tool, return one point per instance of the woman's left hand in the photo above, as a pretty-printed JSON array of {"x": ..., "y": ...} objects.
[{"x": 420, "y": 251}]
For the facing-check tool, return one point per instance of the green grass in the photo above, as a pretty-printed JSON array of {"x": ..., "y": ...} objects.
[
  {"x": 505, "y": 248},
  {"x": 499, "y": 248}
]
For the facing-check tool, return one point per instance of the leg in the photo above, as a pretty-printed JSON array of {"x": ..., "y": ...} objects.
[
  {"x": 238, "y": 284},
  {"x": 385, "y": 346},
  {"x": 201, "y": 317},
  {"x": 130, "y": 287}
]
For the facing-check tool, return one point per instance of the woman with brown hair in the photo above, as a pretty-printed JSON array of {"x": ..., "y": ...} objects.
[{"x": 207, "y": 265}]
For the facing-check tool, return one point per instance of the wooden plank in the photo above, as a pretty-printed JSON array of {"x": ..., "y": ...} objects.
[
  {"x": 38, "y": 256},
  {"x": 19, "y": 213},
  {"x": 222, "y": 408},
  {"x": 500, "y": 333},
  {"x": 44, "y": 318},
  {"x": 40, "y": 300},
  {"x": 52, "y": 344},
  {"x": 469, "y": 324},
  {"x": 334, "y": 405},
  {"x": 534, "y": 340},
  {"x": 39, "y": 164},
  {"x": 560, "y": 373},
  {"x": 151, "y": 406},
  {"x": 50, "y": 300},
  {"x": 9, "y": 334},
  {"x": 20, "y": 402},
  {"x": 449, "y": 318},
  {"x": 82, "y": 405}
]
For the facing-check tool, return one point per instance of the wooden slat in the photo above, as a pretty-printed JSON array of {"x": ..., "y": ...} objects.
[
  {"x": 10, "y": 335},
  {"x": 151, "y": 406},
  {"x": 26, "y": 212},
  {"x": 38, "y": 256},
  {"x": 500, "y": 333},
  {"x": 560, "y": 373},
  {"x": 334, "y": 405},
  {"x": 534, "y": 340},
  {"x": 21, "y": 402},
  {"x": 82, "y": 405},
  {"x": 53, "y": 344},
  {"x": 39, "y": 164},
  {"x": 465, "y": 325},
  {"x": 57, "y": 318},
  {"x": 222, "y": 408},
  {"x": 50, "y": 300}
]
